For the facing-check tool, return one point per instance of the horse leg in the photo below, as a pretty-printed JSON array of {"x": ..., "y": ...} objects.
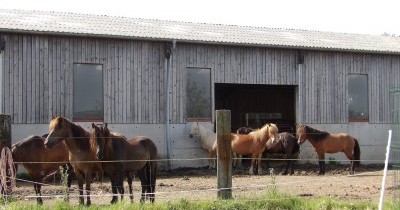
[
  {"x": 260, "y": 170},
  {"x": 129, "y": 179},
  {"x": 80, "y": 186},
  {"x": 142, "y": 177},
  {"x": 153, "y": 176},
  {"x": 350, "y": 156},
  {"x": 88, "y": 179},
  {"x": 120, "y": 184},
  {"x": 253, "y": 162},
  {"x": 37, "y": 186},
  {"x": 113, "y": 188}
]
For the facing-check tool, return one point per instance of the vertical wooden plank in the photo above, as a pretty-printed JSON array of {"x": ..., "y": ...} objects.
[
  {"x": 7, "y": 74},
  {"x": 24, "y": 84},
  {"x": 37, "y": 78},
  {"x": 52, "y": 96},
  {"x": 20, "y": 80},
  {"x": 15, "y": 86},
  {"x": 47, "y": 80},
  {"x": 30, "y": 81},
  {"x": 224, "y": 167}
]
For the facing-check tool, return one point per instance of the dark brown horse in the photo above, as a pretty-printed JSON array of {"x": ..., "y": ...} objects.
[
  {"x": 324, "y": 142},
  {"x": 82, "y": 155},
  {"x": 137, "y": 155},
  {"x": 284, "y": 143},
  {"x": 40, "y": 161}
]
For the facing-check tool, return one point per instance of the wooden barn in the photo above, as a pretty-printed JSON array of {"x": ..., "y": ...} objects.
[{"x": 155, "y": 78}]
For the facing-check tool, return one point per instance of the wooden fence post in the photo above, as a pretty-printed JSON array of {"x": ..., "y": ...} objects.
[
  {"x": 5, "y": 131},
  {"x": 224, "y": 154},
  {"x": 5, "y": 141}
]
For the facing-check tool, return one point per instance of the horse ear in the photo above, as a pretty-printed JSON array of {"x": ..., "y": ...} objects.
[
  {"x": 53, "y": 117},
  {"x": 105, "y": 125}
]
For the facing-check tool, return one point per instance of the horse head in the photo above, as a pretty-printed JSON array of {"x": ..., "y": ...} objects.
[
  {"x": 98, "y": 137},
  {"x": 272, "y": 131},
  {"x": 194, "y": 130},
  {"x": 59, "y": 130},
  {"x": 301, "y": 134}
]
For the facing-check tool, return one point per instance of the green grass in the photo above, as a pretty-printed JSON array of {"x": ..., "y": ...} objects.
[{"x": 271, "y": 200}]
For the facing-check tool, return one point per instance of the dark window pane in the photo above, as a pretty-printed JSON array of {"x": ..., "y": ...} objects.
[
  {"x": 198, "y": 93},
  {"x": 358, "y": 97},
  {"x": 88, "y": 92}
]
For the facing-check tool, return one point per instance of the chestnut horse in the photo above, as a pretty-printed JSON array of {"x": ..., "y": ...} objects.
[
  {"x": 254, "y": 144},
  {"x": 124, "y": 157},
  {"x": 208, "y": 142},
  {"x": 39, "y": 161},
  {"x": 324, "y": 142},
  {"x": 82, "y": 155}
]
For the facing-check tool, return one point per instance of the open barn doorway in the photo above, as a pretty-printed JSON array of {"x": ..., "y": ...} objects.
[{"x": 254, "y": 105}]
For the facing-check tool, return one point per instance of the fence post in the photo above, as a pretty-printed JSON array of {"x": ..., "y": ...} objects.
[
  {"x": 5, "y": 141},
  {"x": 224, "y": 154},
  {"x": 5, "y": 131}
]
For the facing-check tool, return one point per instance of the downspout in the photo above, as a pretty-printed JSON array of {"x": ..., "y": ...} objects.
[
  {"x": 2, "y": 88},
  {"x": 168, "y": 53}
]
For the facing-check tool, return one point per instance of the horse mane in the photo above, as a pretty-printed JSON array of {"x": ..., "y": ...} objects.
[
  {"x": 315, "y": 134},
  {"x": 258, "y": 134},
  {"x": 77, "y": 131}
]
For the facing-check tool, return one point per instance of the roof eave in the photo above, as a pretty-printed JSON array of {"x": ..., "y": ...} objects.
[{"x": 295, "y": 47}]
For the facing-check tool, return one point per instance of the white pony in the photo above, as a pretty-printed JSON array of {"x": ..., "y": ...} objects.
[{"x": 208, "y": 142}]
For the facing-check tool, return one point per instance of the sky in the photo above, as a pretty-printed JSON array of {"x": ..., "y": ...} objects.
[{"x": 349, "y": 16}]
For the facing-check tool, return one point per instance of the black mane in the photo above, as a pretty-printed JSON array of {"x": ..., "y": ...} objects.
[{"x": 315, "y": 134}]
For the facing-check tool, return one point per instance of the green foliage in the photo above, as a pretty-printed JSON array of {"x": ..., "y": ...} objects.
[
  {"x": 332, "y": 161},
  {"x": 64, "y": 182},
  {"x": 23, "y": 176},
  {"x": 271, "y": 200}
]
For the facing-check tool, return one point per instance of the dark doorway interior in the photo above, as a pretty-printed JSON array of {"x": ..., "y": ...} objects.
[{"x": 254, "y": 105}]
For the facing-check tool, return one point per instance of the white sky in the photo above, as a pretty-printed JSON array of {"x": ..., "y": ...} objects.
[{"x": 351, "y": 16}]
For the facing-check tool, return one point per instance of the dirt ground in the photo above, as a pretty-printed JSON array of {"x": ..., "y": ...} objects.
[{"x": 201, "y": 184}]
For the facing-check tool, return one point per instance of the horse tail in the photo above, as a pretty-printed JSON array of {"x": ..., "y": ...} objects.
[{"x": 357, "y": 152}]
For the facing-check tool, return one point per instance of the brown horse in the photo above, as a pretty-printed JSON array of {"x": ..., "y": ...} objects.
[
  {"x": 39, "y": 161},
  {"x": 137, "y": 155},
  {"x": 324, "y": 142},
  {"x": 254, "y": 144},
  {"x": 284, "y": 143},
  {"x": 81, "y": 155}
]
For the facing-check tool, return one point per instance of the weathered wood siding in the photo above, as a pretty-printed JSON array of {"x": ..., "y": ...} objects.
[
  {"x": 38, "y": 77},
  {"x": 324, "y": 85}
]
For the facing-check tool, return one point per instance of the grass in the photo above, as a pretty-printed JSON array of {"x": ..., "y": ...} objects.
[{"x": 271, "y": 200}]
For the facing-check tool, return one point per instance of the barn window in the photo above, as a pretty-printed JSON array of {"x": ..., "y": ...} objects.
[
  {"x": 358, "y": 97},
  {"x": 198, "y": 94},
  {"x": 88, "y": 92}
]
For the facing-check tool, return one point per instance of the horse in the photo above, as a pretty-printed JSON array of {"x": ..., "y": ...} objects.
[
  {"x": 39, "y": 161},
  {"x": 82, "y": 155},
  {"x": 138, "y": 154},
  {"x": 324, "y": 142},
  {"x": 284, "y": 143},
  {"x": 254, "y": 144},
  {"x": 208, "y": 142}
]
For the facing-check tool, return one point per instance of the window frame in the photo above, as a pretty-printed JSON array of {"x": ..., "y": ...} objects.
[
  {"x": 87, "y": 119},
  {"x": 353, "y": 119},
  {"x": 199, "y": 119}
]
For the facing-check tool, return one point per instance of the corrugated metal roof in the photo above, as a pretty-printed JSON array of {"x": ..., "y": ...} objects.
[{"x": 124, "y": 27}]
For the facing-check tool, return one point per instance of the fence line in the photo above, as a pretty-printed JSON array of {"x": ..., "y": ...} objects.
[{"x": 252, "y": 186}]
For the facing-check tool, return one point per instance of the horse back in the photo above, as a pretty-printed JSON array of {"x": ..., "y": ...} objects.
[
  {"x": 339, "y": 142},
  {"x": 32, "y": 149},
  {"x": 244, "y": 144},
  {"x": 141, "y": 149}
]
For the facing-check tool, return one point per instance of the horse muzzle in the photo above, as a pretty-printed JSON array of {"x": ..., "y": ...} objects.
[{"x": 190, "y": 135}]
